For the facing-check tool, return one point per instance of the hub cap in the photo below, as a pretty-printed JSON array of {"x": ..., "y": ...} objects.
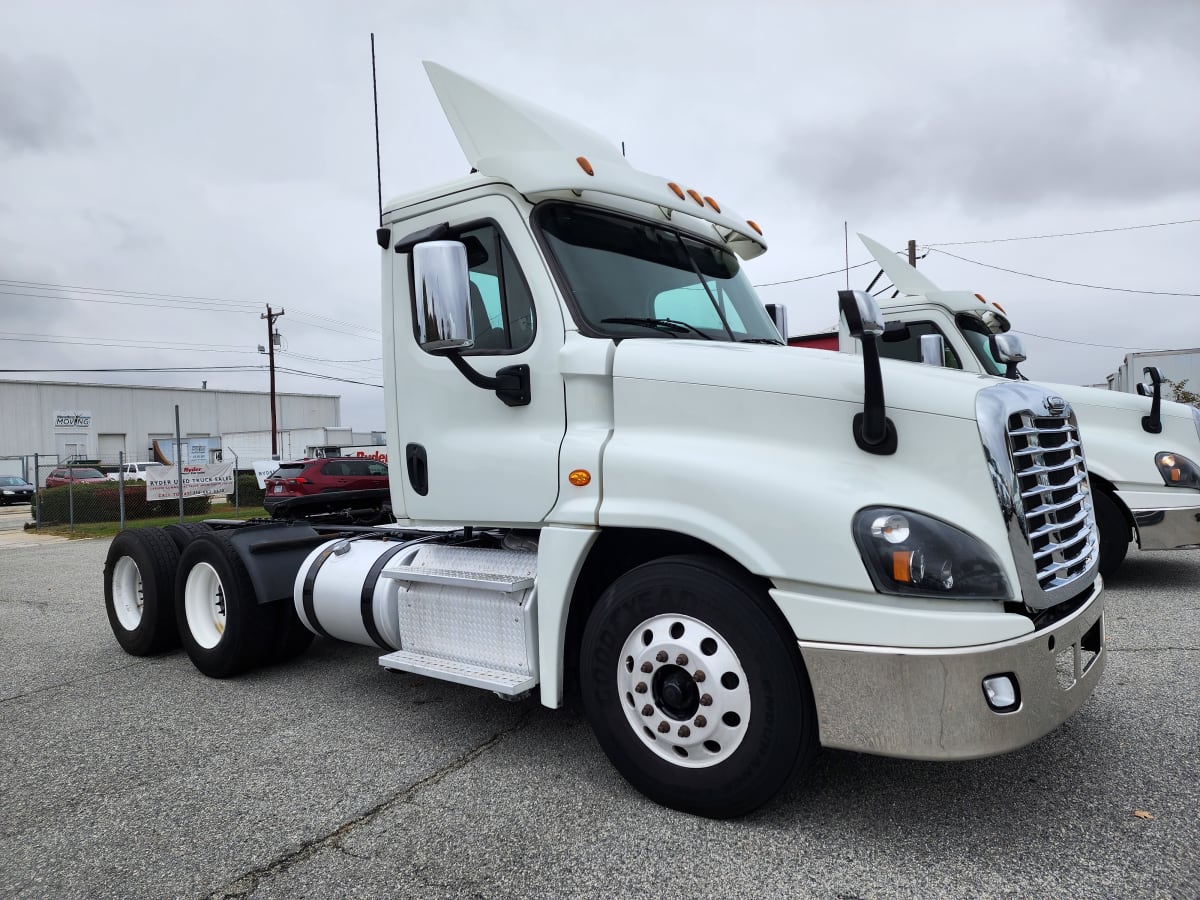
[
  {"x": 204, "y": 605},
  {"x": 128, "y": 594},
  {"x": 684, "y": 691}
]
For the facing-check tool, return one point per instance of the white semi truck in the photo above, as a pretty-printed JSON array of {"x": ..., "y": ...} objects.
[
  {"x": 612, "y": 478},
  {"x": 1143, "y": 452}
]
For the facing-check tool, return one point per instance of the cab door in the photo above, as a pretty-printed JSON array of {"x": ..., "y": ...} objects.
[{"x": 461, "y": 454}]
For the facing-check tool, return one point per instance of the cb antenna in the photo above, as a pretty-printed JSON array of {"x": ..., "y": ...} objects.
[{"x": 378, "y": 164}]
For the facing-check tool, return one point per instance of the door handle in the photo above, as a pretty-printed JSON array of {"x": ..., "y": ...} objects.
[{"x": 418, "y": 468}]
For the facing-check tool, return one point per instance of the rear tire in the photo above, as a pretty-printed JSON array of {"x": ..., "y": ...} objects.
[
  {"x": 1114, "y": 533},
  {"x": 139, "y": 591},
  {"x": 182, "y": 533},
  {"x": 694, "y": 686},
  {"x": 223, "y": 627}
]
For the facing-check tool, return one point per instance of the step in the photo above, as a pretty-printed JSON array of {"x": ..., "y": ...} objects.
[
  {"x": 498, "y": 680},
  {"x": 479, "y": 581}
]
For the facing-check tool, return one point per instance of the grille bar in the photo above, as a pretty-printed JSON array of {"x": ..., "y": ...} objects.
[{"x": 1029, "y": 451}]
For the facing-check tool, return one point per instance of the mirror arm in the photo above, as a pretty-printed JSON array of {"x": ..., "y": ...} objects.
[
  {"x": 510, "y": 383},
  {"x": 873, "y": 430}
]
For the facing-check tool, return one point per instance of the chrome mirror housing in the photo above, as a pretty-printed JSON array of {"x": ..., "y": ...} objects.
[
  {"x": 1008, "y": 348},
  {"x": 933, "y": 350},
  {"x": 443, "y": 297},
  {"x": 862, "y": 313}
]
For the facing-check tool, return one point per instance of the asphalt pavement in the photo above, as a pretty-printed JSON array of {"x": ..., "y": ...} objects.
[{"x": 329, "y": 777}]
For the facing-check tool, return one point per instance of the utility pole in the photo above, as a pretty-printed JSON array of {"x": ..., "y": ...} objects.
[
  {"x": 912, "y": 253},
  {"x": 271, "y": 317}
]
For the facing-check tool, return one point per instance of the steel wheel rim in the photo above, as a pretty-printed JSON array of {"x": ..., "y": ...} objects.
[
  {"x": 684, "y": 691},
  {"x": 128, "y": 592},
  {"x": 204, "y": 605}
]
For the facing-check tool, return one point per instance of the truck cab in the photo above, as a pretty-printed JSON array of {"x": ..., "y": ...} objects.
[{"x": 611, "y": 478}]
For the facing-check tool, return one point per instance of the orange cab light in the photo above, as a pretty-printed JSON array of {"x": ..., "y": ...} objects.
[
  {"x": 584, "y": 164},
  {"x": 754, "y": 225},
  {"x": 900, "y": 565},
  {"x": 1174, "y": 474},
  {"x": 695, "y": 195},
  {"x": 713, "y": 203},
  {"x": 676, "y": 188},
  {"x": 979, "y": 297},
  {"x": 999, "y": 307},
  {"x": 580, "y": 477}
]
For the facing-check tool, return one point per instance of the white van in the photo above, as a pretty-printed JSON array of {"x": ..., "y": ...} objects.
[{"x": 134, "y": 471}]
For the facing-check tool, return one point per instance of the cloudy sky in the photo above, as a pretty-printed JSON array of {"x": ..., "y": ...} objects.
[{"x": 168, "y": 169}]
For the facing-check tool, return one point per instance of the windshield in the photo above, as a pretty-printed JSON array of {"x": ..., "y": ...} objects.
[
  {"x": 80, "y": 474},
  {"x": 978, "y": 330},
  {"x": 12, "y": 481},
  {"x": 628, "y": 278}
]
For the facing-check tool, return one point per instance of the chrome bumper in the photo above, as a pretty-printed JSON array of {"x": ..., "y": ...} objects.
[
  {"x": 1168, "y": 529},
  {"x": 930, "y": 703}
]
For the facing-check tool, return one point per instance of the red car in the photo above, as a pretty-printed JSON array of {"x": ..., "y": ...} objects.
[
  {"x": 68, "y": 474},
  {"x": 320, "y": 476}
]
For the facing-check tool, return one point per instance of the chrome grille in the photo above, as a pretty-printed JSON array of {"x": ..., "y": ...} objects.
[
  {"x": 1052, "y": 481},
  {"x": 1036, "y": 459}
]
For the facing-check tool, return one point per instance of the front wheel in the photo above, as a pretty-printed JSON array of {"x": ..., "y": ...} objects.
[{"x": 694, "y": 686}]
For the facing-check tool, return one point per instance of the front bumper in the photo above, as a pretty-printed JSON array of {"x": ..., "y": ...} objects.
[
  {"x": 1168, "y": 529},
  {"x": 930, "y": 704}
]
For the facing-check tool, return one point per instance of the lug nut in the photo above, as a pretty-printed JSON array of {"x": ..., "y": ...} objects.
[
  {"x": 706, "y": 699},
  {"x": 700, "y": 721},
  {"x": 647, "y": 667},
  {"x": 661, "y": 656},
  {"x": 647, "y": 710},
  {"x": 640, "y": 687},
  {"x": 699, "y": 676},
  {"x": 684, "y": 731},
  {"x": 681, "y": 659},
  {"x": 663, "y": 727}
]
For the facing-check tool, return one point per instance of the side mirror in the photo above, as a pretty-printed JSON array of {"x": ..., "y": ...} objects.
[
  {"x": 778, "y": 314},
  {"x": 1153, "y": 422},
  {"x": 895, "y": 332},
  {"x": 933, "y": 350},
  {"x": 443, "y": 292},
  {"x": 1007, "y": 349},
  {"x": 873, "y": 431},
  {"x": 862, "y": 313}
]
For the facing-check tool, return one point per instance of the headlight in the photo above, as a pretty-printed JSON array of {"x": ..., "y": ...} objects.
[
  {"x": 9, "y": 493},
  {"x": 1177, "y": 470},
  {"x": 915, "y": 555}
]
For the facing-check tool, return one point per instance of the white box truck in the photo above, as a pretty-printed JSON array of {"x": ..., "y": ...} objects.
[{"x": 611, "y": 476}]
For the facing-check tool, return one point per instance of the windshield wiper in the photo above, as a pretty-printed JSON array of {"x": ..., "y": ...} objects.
[
  {"x": 760, "y": 341},
  {"x": 672, "y": 327}
]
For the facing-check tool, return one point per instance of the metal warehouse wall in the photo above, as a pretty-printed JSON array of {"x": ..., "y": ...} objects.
[{"x": 55, "y": 417}]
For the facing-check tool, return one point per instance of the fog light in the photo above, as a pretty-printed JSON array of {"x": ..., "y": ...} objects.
[{"x": 1001, "y": 692}]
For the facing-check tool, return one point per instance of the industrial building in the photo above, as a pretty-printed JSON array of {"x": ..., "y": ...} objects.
[
  {"x": 1176, "y": 366},
  {"x": 64, "y": 420}
]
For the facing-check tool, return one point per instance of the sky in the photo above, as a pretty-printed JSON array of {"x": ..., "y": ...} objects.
[{"x": 167, "y": 170}]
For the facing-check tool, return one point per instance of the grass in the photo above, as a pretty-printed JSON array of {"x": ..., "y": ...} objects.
[{"x": 109, "y": 529}]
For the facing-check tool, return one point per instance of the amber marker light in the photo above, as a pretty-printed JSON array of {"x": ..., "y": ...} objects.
[
  {"x": 676, "y": 189},
  {"x": 580, "y": 477},
  {"x": 901, "y": 570},
  {"x": 713, "y": 203},
  {"x": 979, "y": 297},
  {"x": 584, "y": 164},
  {"x": 754, "y": 225},
  {"x": 695, "y": 195},
  {"x": 999, "y": 307}
]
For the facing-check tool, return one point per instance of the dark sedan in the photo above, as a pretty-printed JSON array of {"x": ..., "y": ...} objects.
[{"x": 15, "y": 490}]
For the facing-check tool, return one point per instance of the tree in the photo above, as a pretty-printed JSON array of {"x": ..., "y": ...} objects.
[{"x": 1182, "y": 394}]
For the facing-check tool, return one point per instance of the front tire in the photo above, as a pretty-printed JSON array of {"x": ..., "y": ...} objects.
[
  {"x": 694, "y": 686},
  {"x": 139, "y": 591},
  {"x": 223, "y": 627},
  {"x": 1114, "y": 533}
]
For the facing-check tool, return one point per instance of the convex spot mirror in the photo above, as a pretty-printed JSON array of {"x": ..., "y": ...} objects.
[
  {"x": 442, "y": 287},
  {"x": 861, "y": 313},
  {"x": 1007, "y": 348}
]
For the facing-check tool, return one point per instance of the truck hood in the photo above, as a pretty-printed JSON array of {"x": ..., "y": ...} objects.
[{"x": 797, "y": 371}]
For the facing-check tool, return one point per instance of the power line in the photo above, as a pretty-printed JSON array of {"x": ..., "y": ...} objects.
[
  {"x": 1042, "y": 237},
  {"x": 1095, "y": 287},
  {"x": 811, "y": 277},
  {"x": 1087, "y": 343},
  {"x": 126, "y": 370}
]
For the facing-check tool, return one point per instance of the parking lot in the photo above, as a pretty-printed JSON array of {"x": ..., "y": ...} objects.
[{"x": 329, "y": 777}]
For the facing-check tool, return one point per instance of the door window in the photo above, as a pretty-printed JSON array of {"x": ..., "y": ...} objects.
[
  {"x": 909, "y": 348},
  {"x": 502, "y": 314}
]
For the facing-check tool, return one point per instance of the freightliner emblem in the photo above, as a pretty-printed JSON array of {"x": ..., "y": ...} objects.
[{"x": 1056, "y": 406}]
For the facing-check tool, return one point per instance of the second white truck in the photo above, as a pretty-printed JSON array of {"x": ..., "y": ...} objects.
[{"x": 1143, "y": 452}]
